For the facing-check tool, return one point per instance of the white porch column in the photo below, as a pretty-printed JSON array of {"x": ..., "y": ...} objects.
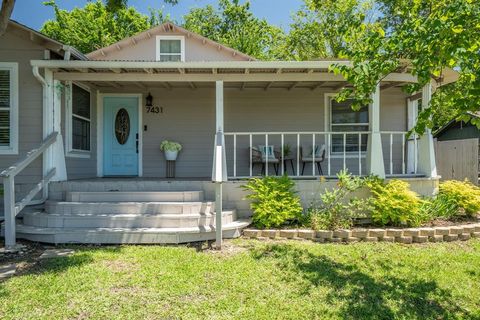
[
  {"x": 219, "y": 172},
  {"x": 375, "y": 164},
  {"x": 426, "y": 152},
  {"x": 58, "y": 149},
  {"x": 54, "y": 157}
]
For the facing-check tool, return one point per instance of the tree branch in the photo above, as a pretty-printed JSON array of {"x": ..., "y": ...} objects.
[{"x": 5, "y": 13}]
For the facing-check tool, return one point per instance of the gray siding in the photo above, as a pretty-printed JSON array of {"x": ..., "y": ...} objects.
[
  {"x": 189, "y": 117},
  {"x": 145, "y": 50},
  {"x": 16, "y": 49},
  {"x": 80, "y": 168}
]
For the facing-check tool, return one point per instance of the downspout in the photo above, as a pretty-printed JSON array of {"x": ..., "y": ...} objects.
[{"x": 41, "y": 79}]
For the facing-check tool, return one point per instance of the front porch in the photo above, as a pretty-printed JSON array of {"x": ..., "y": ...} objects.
[
  {"x": 286, "y": 106},
  {"x": 235, "y": 120}
]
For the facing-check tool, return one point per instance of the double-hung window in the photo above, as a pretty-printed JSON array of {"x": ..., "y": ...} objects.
[
  {"x": 170, "y": 48},
  {"x": 79, "y": 120},
  {"x": 347, "y": 122},
  {"x": 8, "y": 108}
]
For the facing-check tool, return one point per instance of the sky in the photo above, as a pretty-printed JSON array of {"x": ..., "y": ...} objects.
[{"x": 33, "y": 13}]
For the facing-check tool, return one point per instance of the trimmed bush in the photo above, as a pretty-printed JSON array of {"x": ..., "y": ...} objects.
[
  {"x": 395, "y": 204},
  {"x": 462, "y": 194},
  {"x": 274, "y": 201}
]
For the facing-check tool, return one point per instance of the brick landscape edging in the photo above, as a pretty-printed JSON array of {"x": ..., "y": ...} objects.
[{"x": 407, "y": 235}]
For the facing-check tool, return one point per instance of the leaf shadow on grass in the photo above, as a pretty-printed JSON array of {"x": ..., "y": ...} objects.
[
  {"x": 357, "y": 293},
  {"x": 58, "y": 265}
]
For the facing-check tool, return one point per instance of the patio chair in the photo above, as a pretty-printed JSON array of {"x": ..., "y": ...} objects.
[
  {"x": 259, "y": 156},
  {"x": 319, "y": 154}
]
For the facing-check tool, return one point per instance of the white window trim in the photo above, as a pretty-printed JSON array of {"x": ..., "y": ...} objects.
[
  {"x": 70, "y": 152},
  {"x": 328, "y": 125},
  {"x": 182, "y": 46},
  {"x": 13, "y": 146}
]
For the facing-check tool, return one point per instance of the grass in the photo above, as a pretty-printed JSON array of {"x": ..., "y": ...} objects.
[{"x": 252, "y": 280}]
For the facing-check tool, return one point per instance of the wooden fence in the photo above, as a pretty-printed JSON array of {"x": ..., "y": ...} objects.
[{"x": 458, "y": 159}]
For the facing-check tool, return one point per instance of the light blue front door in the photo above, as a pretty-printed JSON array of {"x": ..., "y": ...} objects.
[{"x": 120, "y": 136}]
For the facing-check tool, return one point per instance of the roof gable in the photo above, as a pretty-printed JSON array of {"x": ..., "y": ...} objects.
[
  {"x": 39, "y": 38},
  {"x": 142, "y": 46}
]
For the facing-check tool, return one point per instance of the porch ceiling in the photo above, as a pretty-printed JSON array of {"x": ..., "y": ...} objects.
[{"x": 243, "y": 74}]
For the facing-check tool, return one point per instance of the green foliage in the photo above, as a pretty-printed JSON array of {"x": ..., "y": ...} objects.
[
  {"x": 440, "y": 207},
  {"x": 432, "y": 35},
  {"x": 395, "y": 204},
  {"x": 234, "y": 25},
  {"x": 320, "y": 29},
  {"x": 337, "y": 208},
  {"x": 462, "y": 195},
  {"x": 274, "y": 201},
  {"x": 98, "y": 25},
  {"x": 166, "y": 145}
]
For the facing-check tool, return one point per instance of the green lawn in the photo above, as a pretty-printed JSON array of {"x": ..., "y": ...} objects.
[{"x": 252, "y": 280}]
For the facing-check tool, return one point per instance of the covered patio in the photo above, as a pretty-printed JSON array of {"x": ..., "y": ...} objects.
[{"x": 283, "y": 109}]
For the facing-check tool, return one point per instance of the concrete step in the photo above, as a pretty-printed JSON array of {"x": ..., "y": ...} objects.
[
  {"x": 128, "y": 235},
  {"x": 124, "y": 220},
  {"x": 135, "y": 196},
  {"x": 61, "y": 207}
]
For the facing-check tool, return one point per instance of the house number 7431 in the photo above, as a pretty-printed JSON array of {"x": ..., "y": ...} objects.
[{"x": 154, "y": 110}]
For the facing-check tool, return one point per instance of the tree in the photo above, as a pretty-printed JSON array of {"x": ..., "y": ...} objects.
[
  {"x": 426, "y": 36},
  {"x": 5, "y": 13},
  {"x": 234, "y": 25},
  {"x": 97, "y": 25},
  {"x": 319, "y": 28}
]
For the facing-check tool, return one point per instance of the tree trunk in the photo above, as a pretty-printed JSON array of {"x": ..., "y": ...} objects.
[{"x": 5, "y": 13}]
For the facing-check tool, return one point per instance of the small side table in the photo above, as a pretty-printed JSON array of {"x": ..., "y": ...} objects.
[{"x": 170, "y": 169}]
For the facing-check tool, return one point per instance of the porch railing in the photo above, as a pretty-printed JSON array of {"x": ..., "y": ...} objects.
[
  {"x": 12, "y": 208},
  {"x": 343, "y": 150}
]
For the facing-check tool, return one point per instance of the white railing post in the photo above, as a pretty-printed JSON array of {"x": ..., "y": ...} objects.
[
  {"x": 403, "y": 153},
  {"x": 359, "y": 154},
  {"x": 251, "y": 155},
  {"x": 314, "y": 154},
  {"x": 266, "y": 155},
  {"x": 391, "y": 153},
  {"x": 298, "y": 155},
  {"x": 344, "y": 151},
  {"x": 329, "y": 137},
  {"x": 283, "y": 152},
  {"x": 9, "y": 203},
  {"x": 234, "y": 155}
]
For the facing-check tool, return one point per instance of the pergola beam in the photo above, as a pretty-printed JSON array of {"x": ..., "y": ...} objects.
[
  {"x": 197, "y": 77},
  {"x": 318, "y": 85},
  {"x": 268, "y": 86},
  {"x": 293, "y": 85}
]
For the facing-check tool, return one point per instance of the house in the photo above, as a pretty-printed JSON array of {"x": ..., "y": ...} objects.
[
  {"x": 102, "y": 117},
  {"x": 458, "y": 150}
]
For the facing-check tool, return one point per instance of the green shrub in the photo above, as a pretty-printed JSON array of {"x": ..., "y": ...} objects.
[
  {"x": 335, "y": 211},
  {"x": 274, "y": 201},
  {"x": 440, "y": 207},
  {"x": 462, "y": 194},
  {"x": 395, "y": 204}
]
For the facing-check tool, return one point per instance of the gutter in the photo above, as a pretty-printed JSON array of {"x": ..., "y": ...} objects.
[{"x": 36, "y": 74}]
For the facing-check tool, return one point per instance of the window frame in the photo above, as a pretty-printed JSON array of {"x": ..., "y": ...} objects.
[
  {"x": 70, "y": 151},
  {"x": 329, "y": 97},
  {"x": 164, "y": 37},
  {"x": 12, "y": 148}
]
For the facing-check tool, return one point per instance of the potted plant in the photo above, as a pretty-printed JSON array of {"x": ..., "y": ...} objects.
[{"x": 170, "y": 149}]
